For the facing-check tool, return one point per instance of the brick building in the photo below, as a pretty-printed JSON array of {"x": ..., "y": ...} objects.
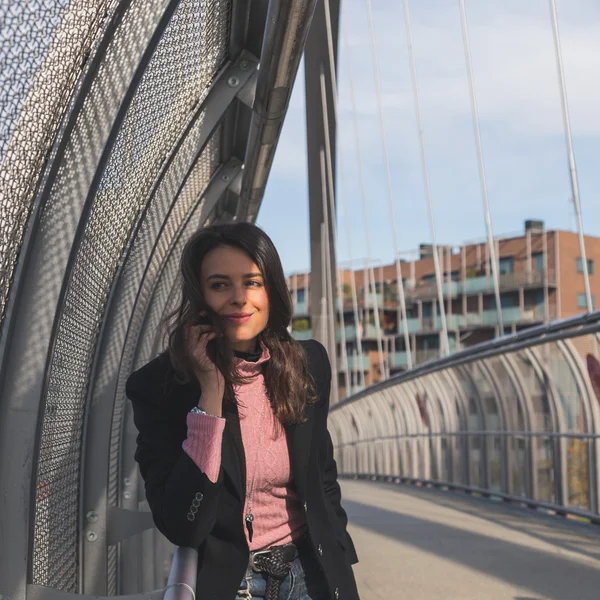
[{"x": 540, "y": 279}]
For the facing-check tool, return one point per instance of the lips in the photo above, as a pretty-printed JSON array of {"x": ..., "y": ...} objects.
[{"x": 238, "y": 319}]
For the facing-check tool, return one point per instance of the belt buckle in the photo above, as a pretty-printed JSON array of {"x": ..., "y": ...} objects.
[{"x": 253, "y": 555}]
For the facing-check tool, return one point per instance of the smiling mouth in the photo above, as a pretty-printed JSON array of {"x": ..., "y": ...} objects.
[{"x": 238, "y": 319}]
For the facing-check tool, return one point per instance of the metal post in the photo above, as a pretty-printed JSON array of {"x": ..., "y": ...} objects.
[
  {"x": 330, "y": 278},
  {"x": 546, "y": 291},
  {"x": 557, "y": 289},
  {"x": 316, "y": 57},
  {"x": 463, "y": 261}
]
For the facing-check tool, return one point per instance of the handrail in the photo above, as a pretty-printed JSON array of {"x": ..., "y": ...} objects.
[
  {"x": 533, "y": 336},
  {"x": 181, "y": 584}
]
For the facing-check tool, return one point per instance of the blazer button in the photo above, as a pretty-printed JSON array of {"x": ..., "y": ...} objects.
[
  {"x": 320, "y": 550},
  {"x": 196, "y": 502},
  {"x": 191, "y": 516},
  {"x": 336, "y": 594},
  {"x": 193, "y": 509},
  {"x": 305, "y": 507},
  {"x": 199, "y": 495}
]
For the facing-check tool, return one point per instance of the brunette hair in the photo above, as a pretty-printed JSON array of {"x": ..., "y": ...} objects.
[{"x": 287, "y": 381}]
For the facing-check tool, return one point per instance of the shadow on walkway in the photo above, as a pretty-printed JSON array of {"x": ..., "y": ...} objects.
[
  {"x": 569, "y": 534},
  {"x": 543, "y": 572}
]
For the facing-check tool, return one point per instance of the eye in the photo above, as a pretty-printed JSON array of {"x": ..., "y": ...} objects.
[
  {"x": 255, "y": 283},
  {"x": 219, "y": 285}
]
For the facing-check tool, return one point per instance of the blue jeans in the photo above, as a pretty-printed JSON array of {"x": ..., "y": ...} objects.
[{"x": 305, "y": 581}]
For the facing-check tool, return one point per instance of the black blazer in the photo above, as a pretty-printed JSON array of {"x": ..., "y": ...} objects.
[{"x": 174, "y": 482}]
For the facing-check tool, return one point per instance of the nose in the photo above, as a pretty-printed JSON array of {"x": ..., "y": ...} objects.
[{"x": 239, "y": 295}]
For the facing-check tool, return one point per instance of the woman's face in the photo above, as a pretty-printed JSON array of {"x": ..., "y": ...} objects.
[{"x": 234, "y": 288}]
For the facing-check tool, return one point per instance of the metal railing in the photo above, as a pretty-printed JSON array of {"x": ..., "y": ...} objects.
[
  {"x": 483, "y": 284},
  {"x": 516, "y": 418}
]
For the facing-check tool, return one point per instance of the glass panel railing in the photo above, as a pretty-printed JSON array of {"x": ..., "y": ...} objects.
[
  {"x": 301, "y": 308},
  {"x": 371, "y": 298},
  {"x": 368, "y": 332},
  {"x": 398, "y": 360},
  {"x": 485, "y": 283},
  {"x": 305, "y": 334},
  {"x": 477, "y": 284},
  {"x": 412, "y": 325},
  {"x": 356, "y": 363}
]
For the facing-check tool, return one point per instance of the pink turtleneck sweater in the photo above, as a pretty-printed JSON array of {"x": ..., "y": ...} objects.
[{"x": 278, "y": 515}]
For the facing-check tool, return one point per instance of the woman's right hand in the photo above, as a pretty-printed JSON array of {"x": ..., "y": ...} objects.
[{"x": 210, "y": 378}]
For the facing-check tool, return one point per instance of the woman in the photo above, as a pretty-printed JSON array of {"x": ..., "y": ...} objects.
[{"x": 233, "y": 443}]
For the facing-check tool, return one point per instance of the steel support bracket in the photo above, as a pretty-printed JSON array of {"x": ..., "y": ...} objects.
[{"x": 123, "y": 523}]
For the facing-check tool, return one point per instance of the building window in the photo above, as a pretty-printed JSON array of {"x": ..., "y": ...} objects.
[
  {"x": 429, "y": 279},
  {"x": 538, "y": 261},
  {"x": 507, "y": 265},
  {"x": 582, "y": 301},
  {"x": 300, "y": 295},
  {"x": 506, "y": 301},
  {"x": 590, "y": 263},
  {"x": 540, "y": 298}
]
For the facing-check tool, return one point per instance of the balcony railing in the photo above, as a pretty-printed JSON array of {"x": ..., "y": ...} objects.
[
  {"x": 301, "y": 308},
  {"x": 451, "y": 289},
  {"x": 356, "y": 363},
  {"x": 488, "y": 318},
  {"x": 305, "y": 334},
  {"x": 482, "y": 284}
]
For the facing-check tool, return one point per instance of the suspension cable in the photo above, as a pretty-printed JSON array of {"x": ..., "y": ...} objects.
[
  {"x": 571, "y": 154},
  {"x": 445, "y": 350},
  {"x": 382, "y": 131},
  {"x": 370, "y": 273},
  {"x": 494, "y": 259},
  {"x": 334, "y": 92},
  {"x": 330, "y": 312},
  {"x": 332, "y": 215}
]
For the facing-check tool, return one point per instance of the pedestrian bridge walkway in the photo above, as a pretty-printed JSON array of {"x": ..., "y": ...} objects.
[{"x": 430, "y": 544}]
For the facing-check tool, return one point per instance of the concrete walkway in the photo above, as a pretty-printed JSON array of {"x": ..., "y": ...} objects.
[{"x": 419, "y": 544}]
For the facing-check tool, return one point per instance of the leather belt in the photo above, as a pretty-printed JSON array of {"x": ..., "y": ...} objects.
[{"x": 275, "y": 563}]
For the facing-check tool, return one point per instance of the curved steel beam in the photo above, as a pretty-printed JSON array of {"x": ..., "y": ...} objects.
[{"x": 287, "y": 27}]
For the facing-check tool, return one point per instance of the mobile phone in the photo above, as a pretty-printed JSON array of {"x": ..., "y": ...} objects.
[{"x": 202, "y": 320}]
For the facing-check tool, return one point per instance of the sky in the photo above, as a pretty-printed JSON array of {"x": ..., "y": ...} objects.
[{"x": 521, "y": 121}]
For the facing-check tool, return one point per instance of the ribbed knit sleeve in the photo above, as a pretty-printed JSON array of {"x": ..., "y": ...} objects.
[{"x": 203, "y": 443}]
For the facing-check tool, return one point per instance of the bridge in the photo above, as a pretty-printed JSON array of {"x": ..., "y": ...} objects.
[{"x": 466, "y": 429}]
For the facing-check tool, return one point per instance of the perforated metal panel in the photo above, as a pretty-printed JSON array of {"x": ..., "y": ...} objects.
[
  {"x": 149, "y": 251},
  {"x": 146, "y": 264},
  {"x": 45, "y": 46},
  {"x": 188, "y": 55},
  {"x": 164, "y": 297}
]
